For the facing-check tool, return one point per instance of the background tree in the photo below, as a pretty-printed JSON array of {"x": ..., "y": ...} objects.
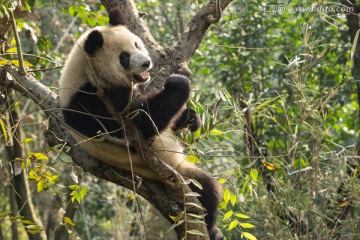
[{"x": 277, "y": 93}]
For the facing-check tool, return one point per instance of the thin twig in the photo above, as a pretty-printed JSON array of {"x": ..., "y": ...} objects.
[{"x": 22, "y": 69}]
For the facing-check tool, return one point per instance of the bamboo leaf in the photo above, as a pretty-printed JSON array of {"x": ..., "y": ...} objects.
[
  {"x": 233, "y": 224},
  {"x": 249, "y": 236},
  {"x": 228, "y": 214},
  {"x": 353, "y": 48},
  {"x": 247, "y": 225},
  {"x": 240, "y": 215},
  {"x": 254, "y": 174},
  {"x": 227, "y": 195},
  {"x": 3, "y": 129}
]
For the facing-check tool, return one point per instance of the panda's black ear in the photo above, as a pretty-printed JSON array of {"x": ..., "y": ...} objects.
[
  {"x": 93, "y": 42},
  {"x": 115, "y": 17}
]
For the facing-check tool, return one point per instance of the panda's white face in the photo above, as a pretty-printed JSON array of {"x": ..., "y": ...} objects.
[{"x": 116, "y": 54}]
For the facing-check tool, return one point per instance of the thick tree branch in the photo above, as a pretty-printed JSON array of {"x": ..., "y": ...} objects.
[{"x": 195, "y": 31}]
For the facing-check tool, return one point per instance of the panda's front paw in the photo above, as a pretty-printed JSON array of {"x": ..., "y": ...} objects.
[
  {"x": 187, "y": 119},
  {"x": 178, "y": 83},
  {"x": 194, "y": 120}
]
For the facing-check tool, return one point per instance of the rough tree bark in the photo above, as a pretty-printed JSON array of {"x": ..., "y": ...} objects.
[{"x": 167, "y": 198}]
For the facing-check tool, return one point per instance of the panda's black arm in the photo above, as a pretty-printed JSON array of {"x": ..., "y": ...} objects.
[
  {"x": 157, "y": 113},
  {"x": 88, "y": 115}
]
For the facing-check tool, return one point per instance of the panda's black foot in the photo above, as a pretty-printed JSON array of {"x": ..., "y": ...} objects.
[
  {"x": 216, "y": 235},
  {"x": 178, "y": 83}
]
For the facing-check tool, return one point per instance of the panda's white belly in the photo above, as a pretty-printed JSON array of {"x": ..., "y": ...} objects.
[{"x": 165, "y": 146}]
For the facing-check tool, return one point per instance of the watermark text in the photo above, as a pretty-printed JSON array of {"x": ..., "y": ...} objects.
[{"x": 303, "y": 9}]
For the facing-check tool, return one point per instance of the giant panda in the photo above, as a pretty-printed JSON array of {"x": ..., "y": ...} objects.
[{"x": 117, "y": 60}]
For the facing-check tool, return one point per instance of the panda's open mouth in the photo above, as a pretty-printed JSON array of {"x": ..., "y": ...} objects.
[{"x": 142, "y": 77}]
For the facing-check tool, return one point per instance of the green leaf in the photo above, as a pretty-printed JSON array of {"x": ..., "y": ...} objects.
[
  {"x": 249, "y": 236},
  {"x": 3, "y": 62},
  {"x": 12, "y": 50},
  {"x": 39, "y": 156},
  {"x": 3, "y": 129},
  {"x": 78, "y": 193},
  {"x": 353, "y": 48},
  {"x": 65, "y": 157},
  {"x": 227, "y": 195},
  {"x": 72, "y": 10},
  {"x": 28, "y": 140},
  {"x": 41, "y": 185},
  {"x": 216, "y": 132},
  {"x": 240, "y": 215},
  {"x": 68, "y": 221},
  {"x": 192, "y": 158},
  {"x": 197, "y": 133},
  {"x": 228, "y": 215},
  {"x": 222, "y": 180},
  {"x": 233, "y": 224},
  {"x": 233, "y": 199},
  {"x": 254, "y": 174},
  {"x": 247, "y": 225}
]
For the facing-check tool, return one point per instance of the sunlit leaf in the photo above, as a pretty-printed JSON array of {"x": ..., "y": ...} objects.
[
  {"x": 222, "y": 180},
  {"x": 233, "y": 224},
  {"x": 271, "y": 166},
  {"x": 16, "y": 63},
  {"x": 216, "y": 132},
  {"x": 233, "y": 199},
  {"x": 344, "y": 204},
  {"x": 247, "y": 225},
  {"x": 38, "y": 155},
  {"x": 68, "y": 221},
  {"x": 254, "y": 174},
  {"x": 240, "y": 215},
  {"x": 197, "y": 133},
  {"x": 3, "y": 130},
  {"x": 227, "y": 195},
  {"x": 192, "y": 158},
  {"x": 249, "y": 236},
  {"x": 12, "y": 50},
  {"x": 3, "y": 62},
  {"x": 228, "y": 215},
  {"x": 28, "y": 140}
]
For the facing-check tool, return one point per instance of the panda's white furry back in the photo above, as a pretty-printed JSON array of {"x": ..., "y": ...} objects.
[{"x": 116, "y": 60}]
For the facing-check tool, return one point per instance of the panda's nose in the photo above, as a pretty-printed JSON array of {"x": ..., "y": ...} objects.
[{"x": 146, "y": 64}]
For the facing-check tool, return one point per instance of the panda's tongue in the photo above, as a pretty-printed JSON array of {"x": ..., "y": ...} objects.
[{"x": 144, "y": 75}]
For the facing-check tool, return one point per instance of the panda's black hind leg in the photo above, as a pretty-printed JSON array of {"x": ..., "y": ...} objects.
[{"x": 209, "y": 199}]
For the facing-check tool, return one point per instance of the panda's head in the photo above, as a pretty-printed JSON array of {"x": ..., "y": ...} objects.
[{"x": 117, "y": 55}]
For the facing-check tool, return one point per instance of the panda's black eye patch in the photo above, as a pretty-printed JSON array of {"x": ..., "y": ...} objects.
[
  {"x": 137, "y": 46},
  {"x": 125, "y": 59}
]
